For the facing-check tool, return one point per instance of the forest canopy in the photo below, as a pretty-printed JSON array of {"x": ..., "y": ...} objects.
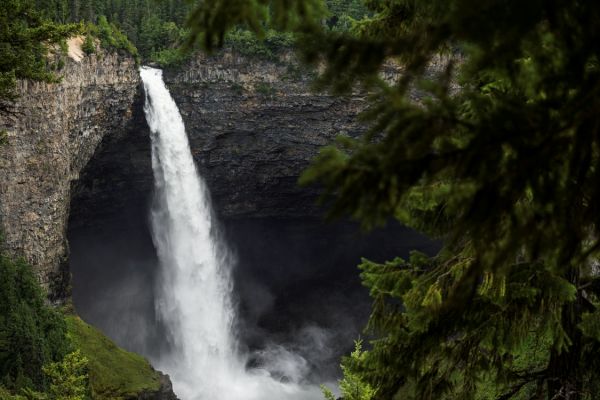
[{"x": 154, "y": 30}]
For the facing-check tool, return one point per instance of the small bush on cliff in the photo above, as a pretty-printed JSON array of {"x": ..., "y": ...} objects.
[
  {"x": 3, "y": 137},
  {"x": 31, "y": 333},
  {"x": 170, "y": 57},
  {"x": 89, "y": 47},
  {"x": 111, "y": 37}
]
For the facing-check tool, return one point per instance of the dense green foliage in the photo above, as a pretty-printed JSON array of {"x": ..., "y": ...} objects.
[
  {"x": 88, "y": 46},
  {"x": 35, "y": 340},
  {"x": 110, "y": 37},
  {"x": 343, "y": 14},
  {"x": 504, "y": 169},
  {"x": 68, "y": 380},
  {"x": 246, "y": 43},
  {"x": 128, "y": 14},
  {"x": 32, "y": 334},
  {"x": 155, "y": 27},
  {"x": 113, "y": 372},
  {"x": 25, "y": 40},
  {"x": 158, "y": 28}
]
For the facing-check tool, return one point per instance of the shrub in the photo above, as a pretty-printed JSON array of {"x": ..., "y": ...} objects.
[
  {"x": 31, "y": 333},
  {"x": 88, "y": 47},
  {"x": 112, "y": 38},
  {"x": 68, "y": 378},
  {"x": 68, "y": 381},
  {"x": 170, "y": 57},
  {"x": 265, "y": 89},
  {"x": 352, "y": 385}
]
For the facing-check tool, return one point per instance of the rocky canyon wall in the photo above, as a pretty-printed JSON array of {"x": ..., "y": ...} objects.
[
  {"x": 49, "y": 138},
  {"x": 254, "y": 125},
  {"x": 80, "y": 149},
  {"x": 77, "y": 153}
]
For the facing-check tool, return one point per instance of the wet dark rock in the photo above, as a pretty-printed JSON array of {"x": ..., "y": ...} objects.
[
  {"x": 165, "y": 392},
  {"x": 254, "y": 126}
]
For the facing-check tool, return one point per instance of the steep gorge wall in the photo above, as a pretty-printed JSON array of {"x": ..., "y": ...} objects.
[
  {"x": 78, "y": 153},
  {"x": 53, "y": 133},
  {"x": 254, "y": 125},
  {"x": 81, "y": 150}
]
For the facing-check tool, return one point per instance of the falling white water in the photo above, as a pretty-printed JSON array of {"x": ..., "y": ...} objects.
[{"x": 194, "y": 297}]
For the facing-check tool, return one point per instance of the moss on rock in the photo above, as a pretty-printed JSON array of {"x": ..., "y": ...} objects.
[{"x": 114, "y": 373}]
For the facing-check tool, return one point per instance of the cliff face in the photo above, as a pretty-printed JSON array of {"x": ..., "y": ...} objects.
[
  {"x": 54, "y": 132},
  {"x": 52, "y": 135},
  {"x": 81, "y": 150},
  {"x": 77, "y": 153},
  {"x": 254, "y": 126}
]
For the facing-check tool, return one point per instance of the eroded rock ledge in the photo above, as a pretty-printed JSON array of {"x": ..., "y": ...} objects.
[{"x": 51, "y": 136}]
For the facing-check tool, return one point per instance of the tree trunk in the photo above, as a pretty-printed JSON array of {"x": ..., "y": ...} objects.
[{"x": 564, "y": 377}]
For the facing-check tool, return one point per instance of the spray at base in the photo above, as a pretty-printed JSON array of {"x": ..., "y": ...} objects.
[{"x": 194, "y": 299}]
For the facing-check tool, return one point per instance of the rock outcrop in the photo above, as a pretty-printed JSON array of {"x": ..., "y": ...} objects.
[
  {"x": 254, "y": 125},
  {"x": 49, "y": 140},
  {"x": 52, "y": 134},
  {"x": 165, "y": 391}
]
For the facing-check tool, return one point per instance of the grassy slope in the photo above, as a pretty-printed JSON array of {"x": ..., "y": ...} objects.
[{"x": 115, "y": 374}]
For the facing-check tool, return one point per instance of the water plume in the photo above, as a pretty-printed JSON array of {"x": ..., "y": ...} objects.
[{"x": 194, "y": 298}]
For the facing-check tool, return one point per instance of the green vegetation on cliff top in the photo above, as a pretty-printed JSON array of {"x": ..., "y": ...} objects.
[
  {"x": 149, "y": 30},
  {"x": 26, "y": 39}
]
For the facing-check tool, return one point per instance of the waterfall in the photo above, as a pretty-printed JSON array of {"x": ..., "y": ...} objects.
[{"x": 194, "y": 298}]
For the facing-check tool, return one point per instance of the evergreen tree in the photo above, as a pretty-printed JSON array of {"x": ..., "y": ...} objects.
[
  {"x": 504, "y": 169},
  {"x": 147, "y": 23},
  {"x": 25, "y": 39},
  {"x": 32, "y": 334}
]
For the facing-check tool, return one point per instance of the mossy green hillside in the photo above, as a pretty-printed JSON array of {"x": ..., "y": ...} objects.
[{"x": 114, "y": 373}]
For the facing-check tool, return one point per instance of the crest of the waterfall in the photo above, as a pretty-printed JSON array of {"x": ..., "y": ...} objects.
[{"x": 194, "y": 297}]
